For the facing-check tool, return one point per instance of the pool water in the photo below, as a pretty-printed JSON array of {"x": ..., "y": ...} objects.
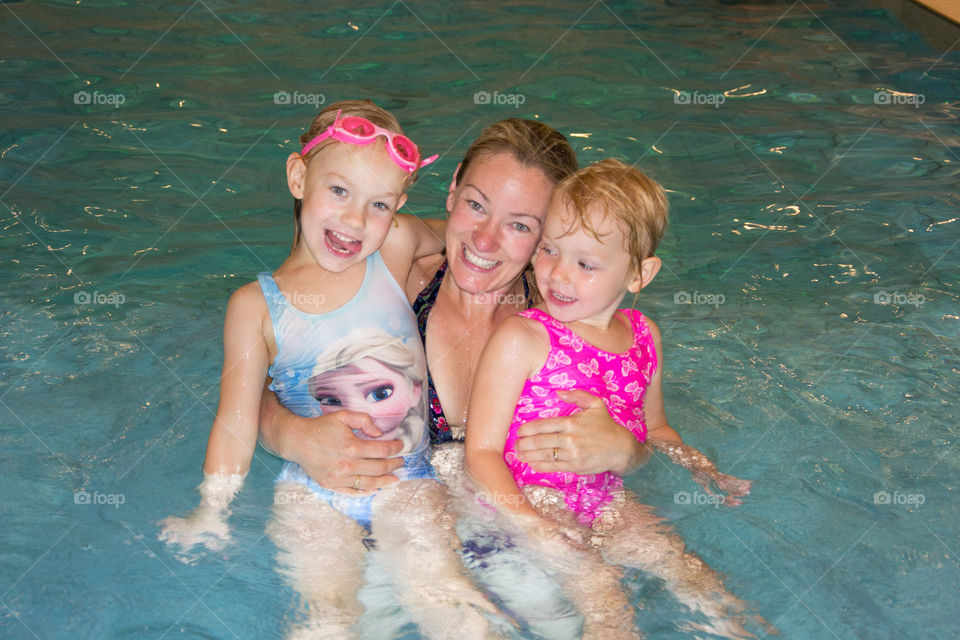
[{"x": 808, "y": 300}]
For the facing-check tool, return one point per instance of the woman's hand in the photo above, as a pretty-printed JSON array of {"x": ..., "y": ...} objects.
[
  {"x": 586, "y": 442},
  {"x": 327, "y": 447}
]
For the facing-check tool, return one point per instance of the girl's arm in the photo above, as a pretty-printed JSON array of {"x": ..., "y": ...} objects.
[
  {"x": 410, "y": 240},
  {"x": 508, "y": 358},
  {"x": 662, "y": 437},
  {"x": 233, "y": 436}
]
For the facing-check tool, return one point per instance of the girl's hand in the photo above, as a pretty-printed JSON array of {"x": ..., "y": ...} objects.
[
  {"x": 733, "y": 488},
  {"x": 704, "y": 472},
  {"x": 207, "y": 527},
  {"x": 207, "y": 524},
  {"x": 586, "y": 442}
]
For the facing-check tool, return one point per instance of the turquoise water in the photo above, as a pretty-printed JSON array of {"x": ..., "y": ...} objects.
[{"x": 811, "y": 152}]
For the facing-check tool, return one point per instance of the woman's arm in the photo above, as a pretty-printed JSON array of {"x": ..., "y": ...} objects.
[
  {"x": 327, "y": 447},
  {"x": 586, "y": 442},
  {"x": 504, "y": 366}
]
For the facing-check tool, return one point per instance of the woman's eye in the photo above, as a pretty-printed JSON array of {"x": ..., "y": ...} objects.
[
  {"x": 519, "y": 226},
  {"x": 380, "y": 393},
  {"x": 476, "y": 206},
  {"x": 329, "y": 401}
]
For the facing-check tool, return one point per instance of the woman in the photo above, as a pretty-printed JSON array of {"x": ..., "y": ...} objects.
[{"x": 497, "y": 203}]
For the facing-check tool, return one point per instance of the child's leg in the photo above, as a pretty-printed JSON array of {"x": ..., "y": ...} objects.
[
  {"x": 592, "y": 585},
  {"x": 323, "y": 557},
  {"x": 630, "y": 534},
  {"x": 413, "y": 525}
]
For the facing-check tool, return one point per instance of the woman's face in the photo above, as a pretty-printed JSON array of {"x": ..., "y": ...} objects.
[
  {"x": 497, "y": 208},
  {"x": 368, "y": 386}
]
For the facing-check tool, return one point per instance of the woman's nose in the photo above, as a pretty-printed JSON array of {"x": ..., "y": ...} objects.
[{"x": 485, "y": 237}]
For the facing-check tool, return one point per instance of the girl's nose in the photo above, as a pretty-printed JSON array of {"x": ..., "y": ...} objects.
[
  {"x": 354, "y": 218},
  {"x": 559, "y": 273},
  {"x": 485, "y": 237}
]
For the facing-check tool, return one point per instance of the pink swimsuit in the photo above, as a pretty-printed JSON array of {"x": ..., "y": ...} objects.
[{"x": 620, "y": 379}]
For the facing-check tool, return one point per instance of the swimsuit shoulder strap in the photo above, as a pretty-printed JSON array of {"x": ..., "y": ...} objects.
[{"x": 275, "y": 301}]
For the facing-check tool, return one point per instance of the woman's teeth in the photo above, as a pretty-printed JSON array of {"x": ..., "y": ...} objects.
[{"x": 477, "y": 261}]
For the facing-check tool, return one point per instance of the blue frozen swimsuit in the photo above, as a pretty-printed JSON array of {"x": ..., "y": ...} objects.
[{"x": 378, "y": 313}]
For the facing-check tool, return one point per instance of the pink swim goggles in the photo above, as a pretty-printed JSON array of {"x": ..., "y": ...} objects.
[{"x": 360, "y": 131}]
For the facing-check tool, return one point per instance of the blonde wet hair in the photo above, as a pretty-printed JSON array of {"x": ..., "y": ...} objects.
[
  {"x": 637, "y": 203},
  {"x": 362, "y": 108}
]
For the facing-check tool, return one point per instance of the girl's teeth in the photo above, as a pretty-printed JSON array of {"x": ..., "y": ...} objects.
[
  {"x": 477, "y": 261},
  {"x": 562, "y": 298}
]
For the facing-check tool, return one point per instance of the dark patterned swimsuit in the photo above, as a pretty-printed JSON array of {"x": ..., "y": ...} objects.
[{"x": 422, "y": 306}]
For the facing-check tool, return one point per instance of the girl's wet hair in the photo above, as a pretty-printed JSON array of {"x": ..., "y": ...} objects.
[
  {"x": 531, "y": 143},
  {"x": 637, "y": 203},
  {"x": 363, "y": 108}
]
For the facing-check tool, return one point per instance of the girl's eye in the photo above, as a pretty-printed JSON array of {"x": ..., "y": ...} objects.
[
  {"x": 383, "y": 206},
  {"x": 329, "y": 401},
  {"x": 338, "y": 191},
  {"x": 380, "y": 393},
  {"x": 586, "y": 267},
  {"x": 547, "y": 250}
]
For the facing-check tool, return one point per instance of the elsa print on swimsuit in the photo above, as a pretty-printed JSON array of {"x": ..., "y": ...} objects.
[{"x": 371, "y": 372}]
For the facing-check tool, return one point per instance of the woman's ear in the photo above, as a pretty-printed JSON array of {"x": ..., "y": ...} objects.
[
  {"x": 648, "y": 270},
  {"x": 296, "y": 171},
  {"x": 453, "y": 187}
]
